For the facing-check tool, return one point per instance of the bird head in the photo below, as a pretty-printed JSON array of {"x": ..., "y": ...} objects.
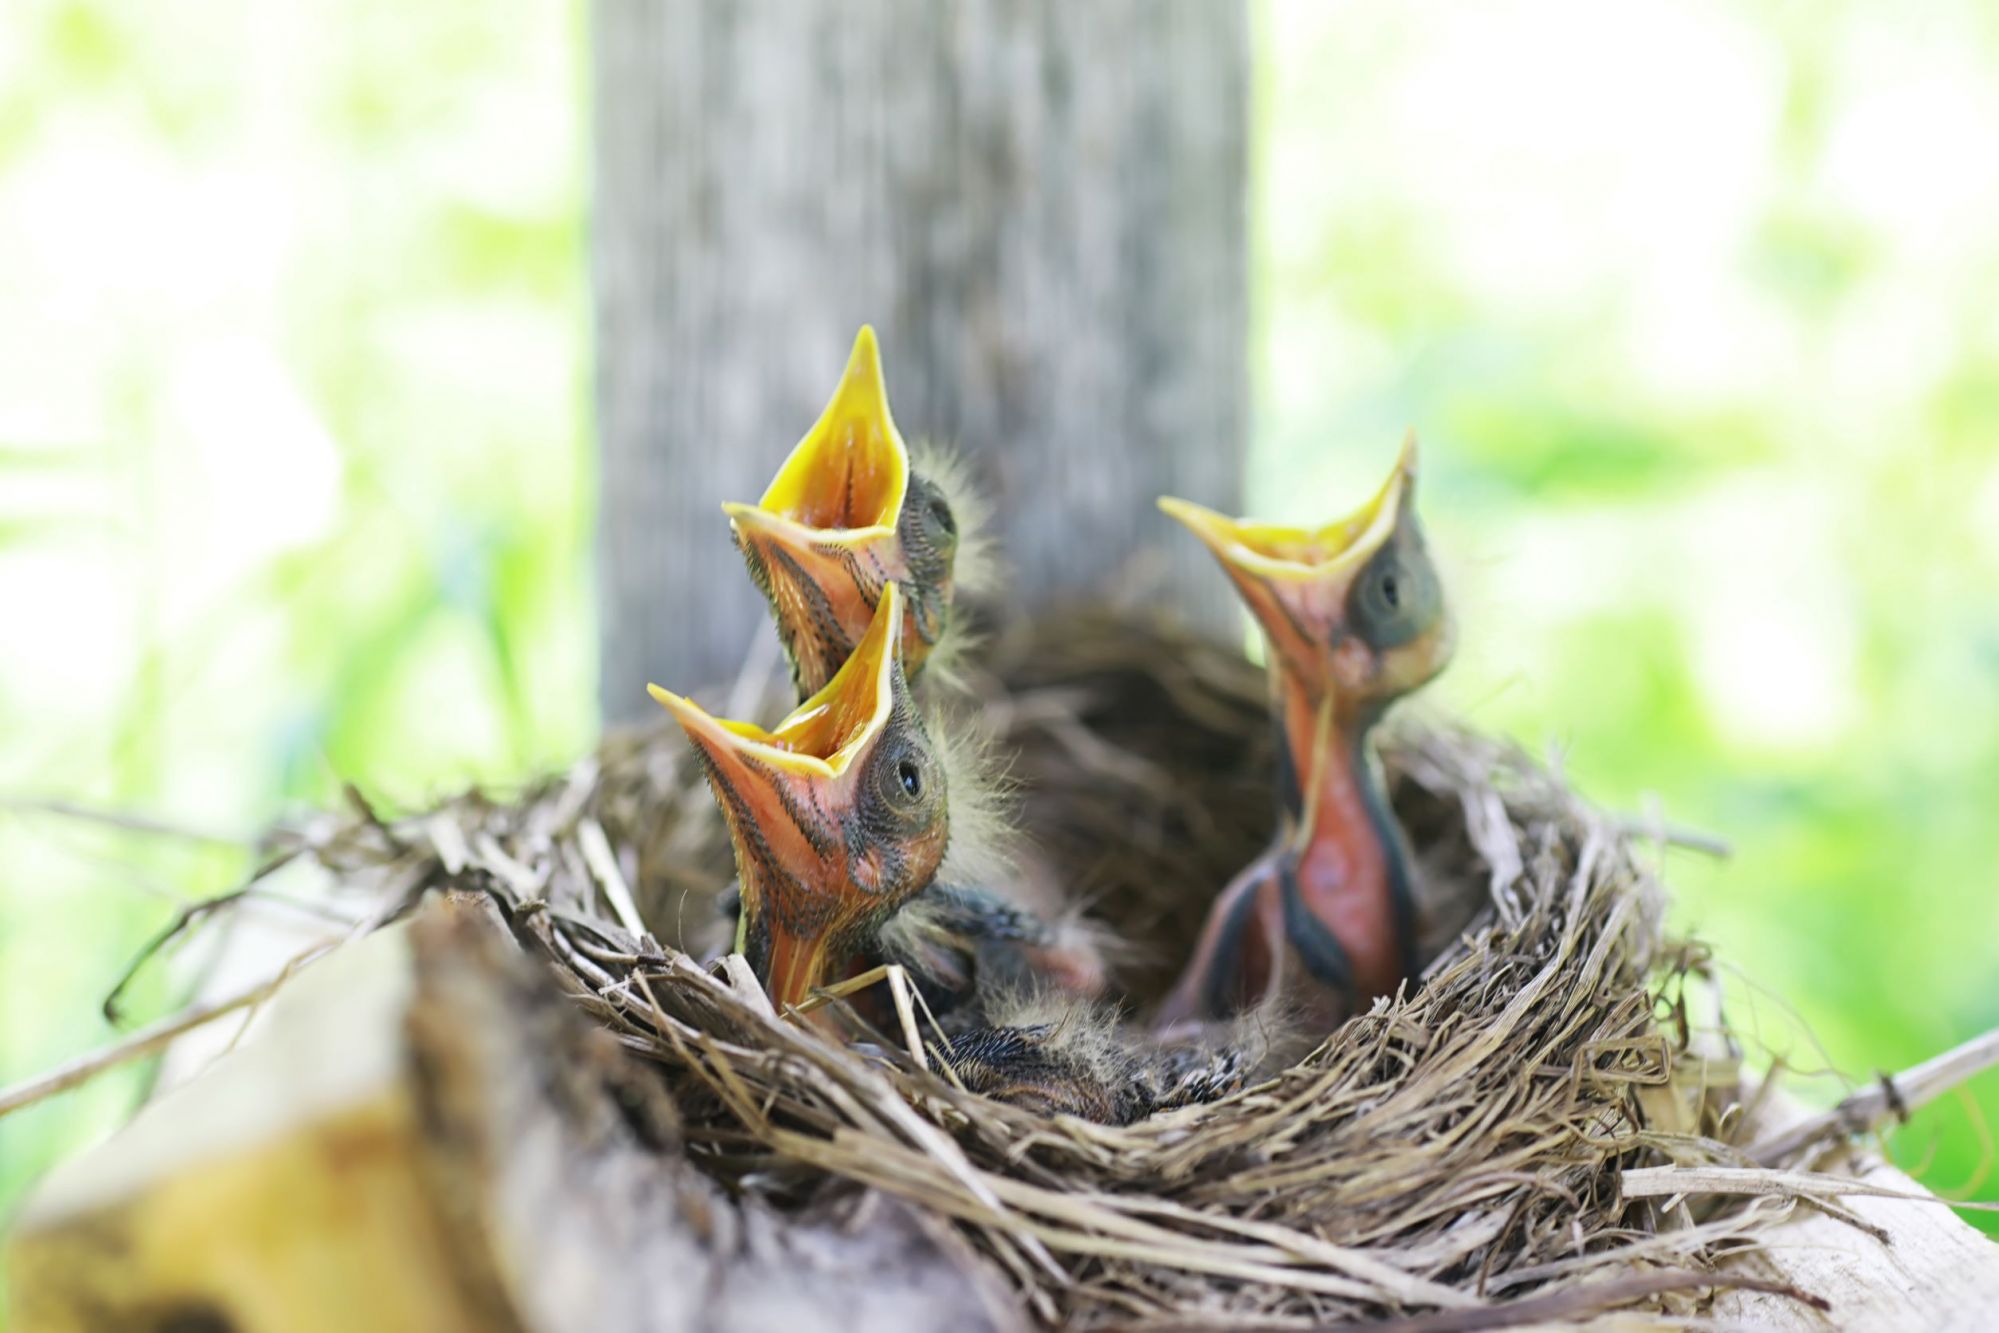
[
  {"x": 1353, "y": 610},
  {"x": 845, "y": 517},
  {"x": 837, "y": 814}
]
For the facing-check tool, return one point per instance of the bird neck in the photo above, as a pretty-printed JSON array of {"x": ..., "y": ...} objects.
[
  {"x": 794, "y": 940},
  {"x": 1340, "y": 850}
]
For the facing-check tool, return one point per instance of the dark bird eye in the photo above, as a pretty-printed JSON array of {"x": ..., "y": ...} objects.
[
  {"x": 1397, "y": 597},
  {"x": 910, "y": 777},
  {"x": 941, "y": 515}
]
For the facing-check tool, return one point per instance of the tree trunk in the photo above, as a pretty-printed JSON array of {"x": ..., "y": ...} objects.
[{"x": 1039, "y": 205}]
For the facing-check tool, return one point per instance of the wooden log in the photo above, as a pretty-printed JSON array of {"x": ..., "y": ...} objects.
[
  {"x": 425, "y": 1135},
  {"x": 1894, "y": 1264},
  {"x": 1935, "y": 1273},
  {"x": 1042, "y": 209}
]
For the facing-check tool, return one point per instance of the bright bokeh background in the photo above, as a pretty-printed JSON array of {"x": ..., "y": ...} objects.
[
  {"x": 293, "y": 486},
  {"x": 1696, "y": 309},
  {"x": 1696, "y": 306}
]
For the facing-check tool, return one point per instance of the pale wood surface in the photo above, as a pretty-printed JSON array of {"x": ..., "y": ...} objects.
[
  {"x": 1937, "y": 1274},
  {"x": 423, "y": 1134},
  {"x": 1040, "y": 206}
]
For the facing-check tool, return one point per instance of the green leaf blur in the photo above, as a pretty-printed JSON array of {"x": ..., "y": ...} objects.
[{"x": 1691, "y": 306}]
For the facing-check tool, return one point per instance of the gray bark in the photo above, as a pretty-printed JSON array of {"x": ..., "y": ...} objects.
[{"x": 1039, "y": 205}]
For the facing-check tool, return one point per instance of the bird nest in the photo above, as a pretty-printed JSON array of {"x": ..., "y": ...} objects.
[{"x": 1451, "y": 1153}]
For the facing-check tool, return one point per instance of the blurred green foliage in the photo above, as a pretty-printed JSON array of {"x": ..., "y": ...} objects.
[
  {"x": 1693, "y": 307},
  {"x": 292, "y": 480}
]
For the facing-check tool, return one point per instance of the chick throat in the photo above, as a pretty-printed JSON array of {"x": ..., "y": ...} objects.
[
  {"x": 1341, "y": 860},
  {"x": 794, "y": 931}
]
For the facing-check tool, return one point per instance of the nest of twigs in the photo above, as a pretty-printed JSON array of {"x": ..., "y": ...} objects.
[{"x": 1460, "y": 1146}]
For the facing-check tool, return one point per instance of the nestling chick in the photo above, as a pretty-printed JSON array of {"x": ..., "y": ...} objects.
[
  {"x": 1063, "y": 1057},
  {"x": 962, "y": 944},
  {"x": 1354, "y": 618},
  {"x": 838, "y": 815},
  {"x": 955, "y": 938},
  {"x": 849, "y": 514},
  {"x": 846, "y": 516}
]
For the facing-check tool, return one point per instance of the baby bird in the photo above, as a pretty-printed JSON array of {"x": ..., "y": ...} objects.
[
  {"x": 1068, "y": 1058},
  {"x": 963, "y": 945},
  {"x": 1354, "y": 617},
  {"x": 848, "y": 515},
  {"x": 838, "y": 815}
]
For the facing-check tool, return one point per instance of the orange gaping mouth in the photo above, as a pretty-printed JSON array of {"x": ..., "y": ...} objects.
[{"x": 851, "y": 471}]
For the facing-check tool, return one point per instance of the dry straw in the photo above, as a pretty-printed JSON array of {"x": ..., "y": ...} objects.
[{"x": 1452, "y": 1159}]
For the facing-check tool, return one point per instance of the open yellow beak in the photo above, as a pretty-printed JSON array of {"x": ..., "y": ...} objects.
[
  {"x": 1274, "y": 552},
  {"x": 782, "y": 793},
  {"x": 821, "y": 737},
  {"x": 822, "y": 542},
  {"x": 850, "y": 473},
  {"x": 1295, "y": 580}
]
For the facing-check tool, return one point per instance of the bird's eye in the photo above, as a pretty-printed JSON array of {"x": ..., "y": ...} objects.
[
  {"x": 1396, "y": 598},
  {"x": 941, "y": 515},
  {"x": 911, "y": 778}
]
